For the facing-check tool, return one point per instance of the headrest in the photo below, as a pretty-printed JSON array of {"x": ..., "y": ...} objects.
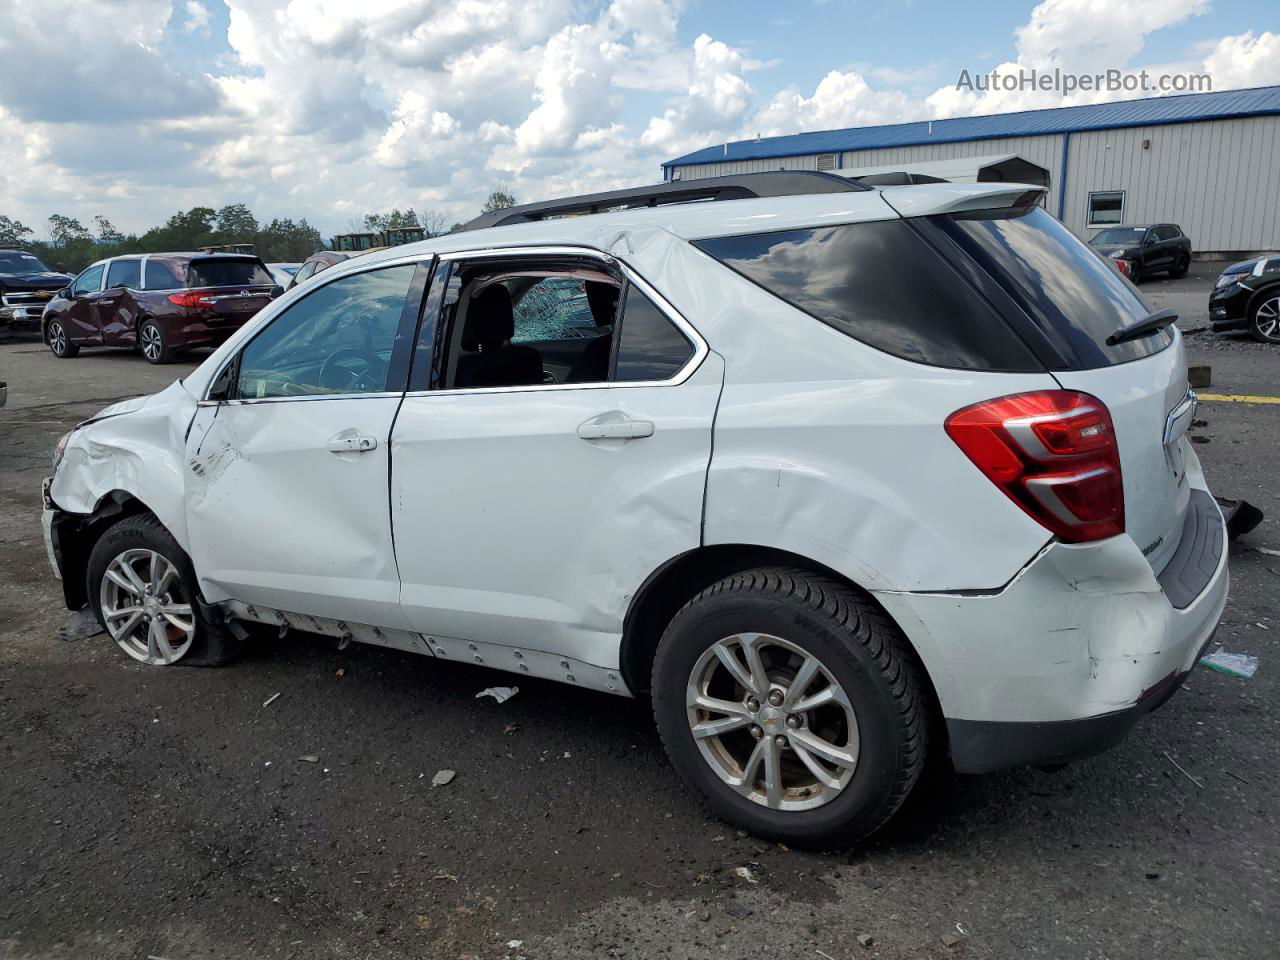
[
  {"x": 489, "y": 320},
  {"x": 602, "y": 298}
]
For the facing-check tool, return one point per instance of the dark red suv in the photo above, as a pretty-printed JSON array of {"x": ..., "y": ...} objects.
[{"x": 161, "y": 303}]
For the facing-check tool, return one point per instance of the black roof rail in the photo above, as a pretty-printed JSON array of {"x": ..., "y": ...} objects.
[{"x": 740, "y": 186}]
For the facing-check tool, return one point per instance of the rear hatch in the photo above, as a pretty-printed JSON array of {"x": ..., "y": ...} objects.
[
  {"x": 1070, "y": 301},
  {"x": 230, "y": 289}
]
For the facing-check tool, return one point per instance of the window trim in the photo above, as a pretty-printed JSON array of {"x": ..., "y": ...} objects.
[
  {"x": 410, "y": 321},
  {"x": 700, "y": 347},
  {"x": 1089, "y": 222}
]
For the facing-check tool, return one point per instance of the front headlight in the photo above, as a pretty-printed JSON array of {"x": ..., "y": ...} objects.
[
  {"x": 60, "y": 448},
  {"x": 1229, "y": 278}
]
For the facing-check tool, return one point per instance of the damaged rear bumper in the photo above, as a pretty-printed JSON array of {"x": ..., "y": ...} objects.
[{"x": 1064, "y": 660}]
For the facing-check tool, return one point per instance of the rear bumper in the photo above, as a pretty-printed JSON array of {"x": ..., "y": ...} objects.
[{"x": 1062, "y": 661}]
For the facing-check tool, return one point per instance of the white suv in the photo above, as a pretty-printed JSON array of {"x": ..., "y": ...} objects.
[{"x": 838, "y": 476}]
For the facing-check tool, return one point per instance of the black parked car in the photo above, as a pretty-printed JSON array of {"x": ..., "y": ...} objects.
[
  {"x": 1144, "y": 249},
  {"x": 1247, "y": 296},
  {"x": 26, "y": 285}
]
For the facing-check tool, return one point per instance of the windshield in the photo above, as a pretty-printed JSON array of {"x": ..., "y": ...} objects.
[
  {"x": 225, "y": 272},
  {"x": 1073, "y": 295},
  {"x": 1125, "y": 235},
  {"x": 14, "y": 262}
]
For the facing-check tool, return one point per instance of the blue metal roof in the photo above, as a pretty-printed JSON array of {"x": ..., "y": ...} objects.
[{"x": 1097, "y": 116}]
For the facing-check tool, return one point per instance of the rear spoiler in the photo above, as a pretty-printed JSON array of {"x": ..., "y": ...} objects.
[{"x": 961, "y": 198}]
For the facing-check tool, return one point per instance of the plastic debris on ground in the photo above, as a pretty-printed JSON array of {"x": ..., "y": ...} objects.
[
  {"x": 501, "y": 694},
  {"x": 81, "y": 625},
  {"x": 1233, "y": 664},
  {"x": 443, "y": 777}
]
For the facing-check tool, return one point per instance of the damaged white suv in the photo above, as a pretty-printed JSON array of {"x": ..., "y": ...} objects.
[{"x": 839, "y": 476}]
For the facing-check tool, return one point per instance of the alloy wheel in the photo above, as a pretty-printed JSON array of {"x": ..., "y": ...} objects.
[
  {"x": 772, "y": 722},
  {"x": 151, "y": 345},
  {"x": 57, "y": 338},
  {"x": 145, "y": 607},
  {"x": 1266, "y": 319}
]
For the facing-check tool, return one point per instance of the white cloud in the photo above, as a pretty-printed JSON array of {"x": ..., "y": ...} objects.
[
  {"x": 197, "y": 17},
  {"x": 331, "y": 108}
]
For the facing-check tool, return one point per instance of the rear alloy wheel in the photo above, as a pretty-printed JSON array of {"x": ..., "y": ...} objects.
[
  {"x": 1265, "y": 323},
  {"x": 794, "y": 704},
  {"x": 154, "y": 343},
  {"x": 1181, "y": 266},
  {"x": 59, "y": 343},
  {"x": 145, "y": 594}
]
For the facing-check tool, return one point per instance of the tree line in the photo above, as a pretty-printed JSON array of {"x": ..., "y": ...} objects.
[{"x": 72, "y": 246}]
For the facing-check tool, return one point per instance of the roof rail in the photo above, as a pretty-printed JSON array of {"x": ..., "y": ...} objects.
[{"x": 741, "y": 186}]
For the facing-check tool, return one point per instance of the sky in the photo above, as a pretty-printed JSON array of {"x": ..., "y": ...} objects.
[{"x": 329, "y": 109}]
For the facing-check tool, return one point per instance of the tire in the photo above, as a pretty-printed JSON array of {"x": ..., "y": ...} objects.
[
  {"x": 861, "y": 654},
  {"x": 1135, "y": 272},
  {"x": 59, "y": 342},
  {"x": 178, "y": 631},
  {"x": 1264, "y": 319},
  {"x": 1181, "y": 266},
  {"x": 154, "y": 343}
]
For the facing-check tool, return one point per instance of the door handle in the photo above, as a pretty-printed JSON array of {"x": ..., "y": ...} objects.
[
  {"x": 599, "y": 428},
  {"x": 356, "y": 444}
]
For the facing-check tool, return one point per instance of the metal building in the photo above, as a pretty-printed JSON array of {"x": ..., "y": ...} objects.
[{"x": 1209, "y": 162}]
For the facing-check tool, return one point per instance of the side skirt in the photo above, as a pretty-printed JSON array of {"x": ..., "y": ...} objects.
[{"x": 548, "y": 666}]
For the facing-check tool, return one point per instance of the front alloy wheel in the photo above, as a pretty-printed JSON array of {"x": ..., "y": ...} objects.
[
  {"x": 772, "y": 722},
  {"x": 145, "y": 607},
  {"x": 59, "y": 343},
  {"x": 1266, "y": 321}
]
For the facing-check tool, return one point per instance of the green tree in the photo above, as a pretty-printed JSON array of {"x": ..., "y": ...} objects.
[
  {"x": 236, "y": 224},
  {"x": 65, "y": 230},
  {"x": 287, "y": 241},
  {"x": 185, "y": 230},
  {"x": 498, "y": 199},
  {"x": 107, "y": 233},
  {"x": 12, "y": 233},
  {"x": 391, "y": 221}
]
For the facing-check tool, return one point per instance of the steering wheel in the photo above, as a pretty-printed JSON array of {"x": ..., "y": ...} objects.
[{"x": 370, "y": 370}]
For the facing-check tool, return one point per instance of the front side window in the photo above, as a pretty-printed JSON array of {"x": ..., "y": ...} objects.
[
  {"x": 336, "y": 340},
  {"x": 1106, "y": 208},
  {"x": 89, "y": 281},
  {"x": 124, "y": 273},
  {"x": 883, "y": 284}
]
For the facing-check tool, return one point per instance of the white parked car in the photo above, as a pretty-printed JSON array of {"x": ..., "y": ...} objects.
[
  {"x": 283, "y": 273},
  {"x": 838, "y": 476}
]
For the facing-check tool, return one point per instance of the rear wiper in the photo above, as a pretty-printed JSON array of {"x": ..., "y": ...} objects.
[{"x": 1154, "y": 323}]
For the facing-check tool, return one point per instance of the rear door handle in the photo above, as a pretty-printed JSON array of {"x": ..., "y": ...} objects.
[
  {"x": 356, "y": 444},
  {"x": 608, "y": 427}
]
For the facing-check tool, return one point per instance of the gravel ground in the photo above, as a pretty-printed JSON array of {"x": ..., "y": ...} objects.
[{"x": 166, "y": 813}]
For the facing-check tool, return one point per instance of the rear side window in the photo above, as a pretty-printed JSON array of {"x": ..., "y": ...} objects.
[
  {"x": 650, "y": 346},
  {"x": 1071, "y": 294},
  {"x": 883, "y": 284},
  {"x": 124, "y": 273},
  {"x": 161, "y": 275},
  {"x": 228, "y": 273}
]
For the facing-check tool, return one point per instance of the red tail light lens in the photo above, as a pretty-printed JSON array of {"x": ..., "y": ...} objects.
[
  {"x": 1054, "y": 454},
  {"x": 190, "y": 299}
]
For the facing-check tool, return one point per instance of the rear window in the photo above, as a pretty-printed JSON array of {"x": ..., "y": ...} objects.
[
  {"x": 883, "y": 284},
  {"x": 228, "y": 273},
  {"x": 1070, "y": 293}
]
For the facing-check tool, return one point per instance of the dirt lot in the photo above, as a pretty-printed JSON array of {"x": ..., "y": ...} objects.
[{"x": 165, "y": 813}]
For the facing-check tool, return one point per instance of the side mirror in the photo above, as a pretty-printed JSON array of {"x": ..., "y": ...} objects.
[
  {"x": 276, "y": 291},
  {"x": 65, "y": 293}
]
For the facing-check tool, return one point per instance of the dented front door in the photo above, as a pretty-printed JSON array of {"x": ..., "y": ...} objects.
[{"x": 286, "y": 475}]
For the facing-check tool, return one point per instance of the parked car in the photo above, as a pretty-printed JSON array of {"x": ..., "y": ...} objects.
[
  {"x": 840, "y": 478},
  {"x": 1247, "y": 296},
  {"x": 317, "y": 262},
  {"x": 1142, "y": 250},
  {"x": 26, "y": 285},
  {"x": 161, "y": 303},
  {"x": 283, "y": 273}
]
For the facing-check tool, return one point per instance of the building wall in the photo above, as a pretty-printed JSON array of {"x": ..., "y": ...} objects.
[{"x": 1219, "y": 180}]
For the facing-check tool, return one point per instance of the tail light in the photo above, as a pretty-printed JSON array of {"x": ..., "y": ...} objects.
[
  {"x": 1054, "y": 454},
  {"x": 191, "y": 299}
]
